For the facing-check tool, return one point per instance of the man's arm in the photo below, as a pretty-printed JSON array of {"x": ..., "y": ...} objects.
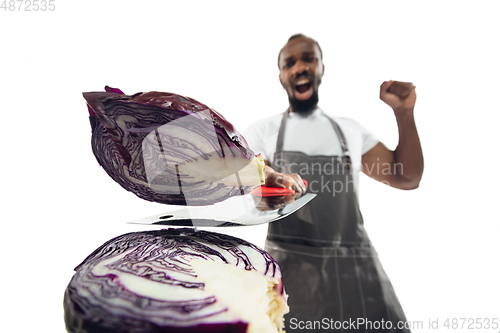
[{"x": 401, "y": 168}]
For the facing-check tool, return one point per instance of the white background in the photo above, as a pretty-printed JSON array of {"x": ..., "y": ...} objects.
[{"x": 439, "y": 243}]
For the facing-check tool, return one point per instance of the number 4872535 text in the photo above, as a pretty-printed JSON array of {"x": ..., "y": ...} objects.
[{"x": 28, "y": 5}]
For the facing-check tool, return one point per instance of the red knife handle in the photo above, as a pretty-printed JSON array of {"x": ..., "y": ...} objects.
[{"x": 267, "y": 191}]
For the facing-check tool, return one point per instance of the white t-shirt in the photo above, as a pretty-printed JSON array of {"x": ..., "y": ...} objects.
[{"x": 312, "y": 135}]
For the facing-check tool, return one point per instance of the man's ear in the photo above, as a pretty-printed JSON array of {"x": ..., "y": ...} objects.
[{"x": 281, "y": 82}]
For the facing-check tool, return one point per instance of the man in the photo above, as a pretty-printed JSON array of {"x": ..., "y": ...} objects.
[{"x": 330, "y": 269}]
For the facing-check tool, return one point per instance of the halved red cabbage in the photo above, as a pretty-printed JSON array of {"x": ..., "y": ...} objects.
[
  {"x": 176, "y": 280},
  {"x": 169, "y": 148}
]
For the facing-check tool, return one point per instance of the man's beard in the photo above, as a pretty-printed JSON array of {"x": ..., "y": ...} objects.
[{"x": 304, "y": 107}]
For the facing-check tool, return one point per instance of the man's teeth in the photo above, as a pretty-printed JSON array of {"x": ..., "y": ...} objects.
[{"x": 301, "y": 82}]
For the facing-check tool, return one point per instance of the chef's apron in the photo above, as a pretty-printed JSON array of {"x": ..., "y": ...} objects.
[{"x": 331, "y": 271}]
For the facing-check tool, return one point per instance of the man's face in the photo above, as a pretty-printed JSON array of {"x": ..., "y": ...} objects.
[{"x": 301, "y": 70}]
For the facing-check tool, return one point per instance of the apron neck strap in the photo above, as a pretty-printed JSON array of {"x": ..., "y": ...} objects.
[
  {"x": 281, "y": 132},
  {"x": 340, "y": 135}
]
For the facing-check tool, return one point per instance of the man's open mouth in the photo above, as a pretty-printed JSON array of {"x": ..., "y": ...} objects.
[
  {"x": 303, "y": 88},
  {"x": 303, "y": 85}
]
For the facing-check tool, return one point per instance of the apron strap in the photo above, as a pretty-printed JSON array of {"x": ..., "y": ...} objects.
[
  {"x": 346, "y": 158},
  {"x": 281, "y": 135}
]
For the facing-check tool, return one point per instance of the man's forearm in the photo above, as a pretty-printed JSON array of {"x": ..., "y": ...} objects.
[{"x": 408, "y": 157}]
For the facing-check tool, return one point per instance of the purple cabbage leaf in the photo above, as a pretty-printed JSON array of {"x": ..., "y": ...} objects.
[{"x": 170, "y": 149}]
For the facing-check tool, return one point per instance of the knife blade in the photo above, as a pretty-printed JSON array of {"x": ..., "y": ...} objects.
[{"x": 236, "y": 211}]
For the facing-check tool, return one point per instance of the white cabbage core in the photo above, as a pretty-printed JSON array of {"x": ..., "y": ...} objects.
[{"x": 248, "y": 293}]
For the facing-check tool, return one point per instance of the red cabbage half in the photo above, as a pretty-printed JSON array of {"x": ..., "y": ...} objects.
[
  {"x": 169, "y": 148},
  {"x": 176, "y": 280}
]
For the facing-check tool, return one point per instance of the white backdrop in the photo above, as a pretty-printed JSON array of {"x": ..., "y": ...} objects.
[{"x": 439, "y": 243}]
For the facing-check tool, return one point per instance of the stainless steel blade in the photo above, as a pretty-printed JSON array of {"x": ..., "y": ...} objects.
[{"x": 237, "y": 211}]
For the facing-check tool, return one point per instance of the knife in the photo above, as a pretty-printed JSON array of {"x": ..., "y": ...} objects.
[{"x": 242, "y": 210}]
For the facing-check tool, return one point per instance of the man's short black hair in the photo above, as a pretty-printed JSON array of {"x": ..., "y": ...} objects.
[{"x": 299, "y": 35}]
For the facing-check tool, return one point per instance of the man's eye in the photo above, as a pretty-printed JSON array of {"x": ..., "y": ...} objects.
[{"x": 310, "y": 59}]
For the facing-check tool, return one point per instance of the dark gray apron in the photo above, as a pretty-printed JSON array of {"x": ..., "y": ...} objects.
[{"x": 331, "y": 271}]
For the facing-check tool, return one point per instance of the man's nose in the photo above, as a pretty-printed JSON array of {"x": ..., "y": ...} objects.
[{"x": 301, "y": 68}]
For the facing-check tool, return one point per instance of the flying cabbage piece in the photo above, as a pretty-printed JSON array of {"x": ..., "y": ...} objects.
[
  {"x": 170, "y": 149},
  {"x": 176, "y": 280}
]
